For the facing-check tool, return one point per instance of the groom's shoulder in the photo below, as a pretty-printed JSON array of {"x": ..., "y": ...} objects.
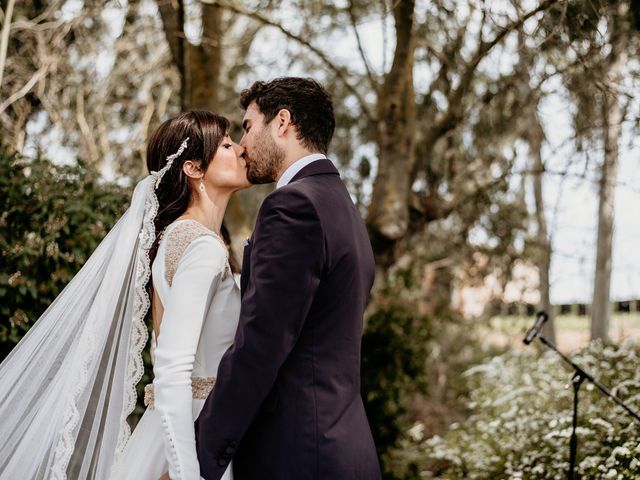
[{"x": 289, "y": 197}]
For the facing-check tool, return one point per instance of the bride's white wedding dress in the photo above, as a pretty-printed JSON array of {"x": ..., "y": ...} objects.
[{"x": 201, "y": 301}]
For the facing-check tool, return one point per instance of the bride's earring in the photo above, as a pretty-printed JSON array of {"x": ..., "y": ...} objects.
[{"x": 202, "y": 186}]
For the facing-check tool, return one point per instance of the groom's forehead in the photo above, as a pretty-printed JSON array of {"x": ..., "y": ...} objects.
[
  {"x": 253, "y": 112},
  {"x": 251, "y": 115}
]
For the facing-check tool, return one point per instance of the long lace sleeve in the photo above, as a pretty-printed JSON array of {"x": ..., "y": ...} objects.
[{"x": 192, "y": 287}]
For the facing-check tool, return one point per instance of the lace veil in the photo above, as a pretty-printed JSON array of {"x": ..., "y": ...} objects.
[{"x": 67, "y": 388}]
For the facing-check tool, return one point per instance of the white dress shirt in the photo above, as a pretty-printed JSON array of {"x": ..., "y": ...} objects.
[{"x": 296, "y": 166}]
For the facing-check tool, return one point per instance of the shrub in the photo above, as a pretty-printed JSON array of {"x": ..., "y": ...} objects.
[
  {"x": 520, "y": 428},
  {"x": 395, "y": 350},
  {"x": 53, "y": 217}
]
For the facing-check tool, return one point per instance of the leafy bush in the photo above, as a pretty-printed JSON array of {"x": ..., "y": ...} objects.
[
  {"x": 453, "y": 348},
  {"x": 53, "y": 217},
  {"x": 395, "y": 350},
  {"x": 523, "y": 404}
]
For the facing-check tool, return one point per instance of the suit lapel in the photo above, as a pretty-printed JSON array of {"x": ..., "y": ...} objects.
[{"x": 319, "y": 167}]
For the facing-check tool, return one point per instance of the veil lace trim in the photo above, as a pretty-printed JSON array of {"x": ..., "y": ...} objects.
[
  {"x": 65, "y": 446},
  {"x": 142, "y": 302},
  {"x": 87, "y": 349},
  {"x": 139, "y": 333}
]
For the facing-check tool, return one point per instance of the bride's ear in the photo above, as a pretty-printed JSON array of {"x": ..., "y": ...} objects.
[{"x": 192, "y": 169}]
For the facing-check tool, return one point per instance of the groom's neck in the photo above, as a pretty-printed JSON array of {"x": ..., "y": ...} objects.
[{"x": 292, "y": 157}]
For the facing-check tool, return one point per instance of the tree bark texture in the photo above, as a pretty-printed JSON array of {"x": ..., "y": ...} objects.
[
  {"x": 612, "y": 120},
  {"x": 199, "y": 65},
  {"x": 543, "y": 240},
  {"x": 388, "y": 214}
]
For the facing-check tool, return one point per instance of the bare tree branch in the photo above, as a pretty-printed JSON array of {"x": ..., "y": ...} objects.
[
  {"x": 452, "y": 117},
  {"x": 84, "y": 126},
  {"x": 51, "y": 8},
  {"x": 25, "y": 89},
  {"x": 339, "y": 71},
  {"x": 374, "y": 84},
  {"x": 485, "y": 47},
  {"x": 4, "y": 39},
  {"x": 385, "y": 39}
]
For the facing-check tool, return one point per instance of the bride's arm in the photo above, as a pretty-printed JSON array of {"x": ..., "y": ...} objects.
[{"x": 185, "y": 308}]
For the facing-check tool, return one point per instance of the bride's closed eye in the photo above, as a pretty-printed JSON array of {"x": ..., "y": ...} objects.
[{"x": 227, "y": 145}]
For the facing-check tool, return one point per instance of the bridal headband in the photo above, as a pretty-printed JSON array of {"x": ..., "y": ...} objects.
[
  {"x": 152, "y": 182},
  {"x": 158, "y": 175}
]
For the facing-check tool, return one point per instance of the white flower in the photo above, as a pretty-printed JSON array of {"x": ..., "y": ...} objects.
[
  {"x": 601, "y": 423},
  {"x": 13, "y": 279},
  {"x": 623, "y": 451},
  {"x": 417, "y": 432}
]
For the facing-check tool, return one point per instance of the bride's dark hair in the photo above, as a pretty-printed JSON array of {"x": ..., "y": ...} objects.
[{"x": 205, "y": 131}]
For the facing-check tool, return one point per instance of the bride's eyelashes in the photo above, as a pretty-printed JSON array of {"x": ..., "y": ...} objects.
[{"x": 227, "y": 146}]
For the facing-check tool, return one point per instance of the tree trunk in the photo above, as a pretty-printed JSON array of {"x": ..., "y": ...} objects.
[
  {"x": 203, "y": 63},
  {"x": 612, "y": 119},
  {"x": 199, "y": 65},
  {"x": 543, "y": 240},
  {"x": 172, "y": 16},
  {"x": 388, "y": 215}
]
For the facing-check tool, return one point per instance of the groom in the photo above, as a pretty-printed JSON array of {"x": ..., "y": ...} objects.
[{"x": 286, "y": 403}]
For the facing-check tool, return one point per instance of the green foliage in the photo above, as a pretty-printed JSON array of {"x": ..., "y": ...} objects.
[
  {"x": 454, "y": 348},
  {"x": 53, "y": 218},
  {"x": 395, "y": 349},
  {"x": 522, "y": 419}
]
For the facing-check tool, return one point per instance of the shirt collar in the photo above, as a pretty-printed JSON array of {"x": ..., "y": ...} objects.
[{"x": 296, "y": 166}]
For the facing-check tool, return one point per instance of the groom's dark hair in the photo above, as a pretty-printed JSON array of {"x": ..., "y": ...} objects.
[{"x": 307, "y": 101}]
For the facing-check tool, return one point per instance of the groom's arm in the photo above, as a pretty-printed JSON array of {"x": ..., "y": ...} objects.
[{"x": 287, "y": 257}]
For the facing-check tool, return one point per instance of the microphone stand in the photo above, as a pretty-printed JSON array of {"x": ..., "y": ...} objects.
[{"x": 579, "y": 376}]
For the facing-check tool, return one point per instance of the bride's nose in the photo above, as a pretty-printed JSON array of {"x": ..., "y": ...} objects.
[{"x": 238, "y": 149}]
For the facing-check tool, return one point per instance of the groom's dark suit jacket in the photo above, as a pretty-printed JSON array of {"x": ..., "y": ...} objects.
[{"x": 286, "y": 404}]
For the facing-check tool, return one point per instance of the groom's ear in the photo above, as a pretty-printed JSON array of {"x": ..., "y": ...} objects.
[{"x": 283, "y": 119}]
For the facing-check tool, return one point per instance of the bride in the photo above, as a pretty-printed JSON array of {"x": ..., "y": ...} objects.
[{"x": 67, "y": 388}]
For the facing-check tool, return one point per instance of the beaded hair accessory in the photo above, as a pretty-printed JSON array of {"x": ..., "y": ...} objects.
[{"x": 158, "y": 175}]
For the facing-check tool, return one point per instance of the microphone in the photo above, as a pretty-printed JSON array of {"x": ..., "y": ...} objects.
[{"x": 535, "y": 330}]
